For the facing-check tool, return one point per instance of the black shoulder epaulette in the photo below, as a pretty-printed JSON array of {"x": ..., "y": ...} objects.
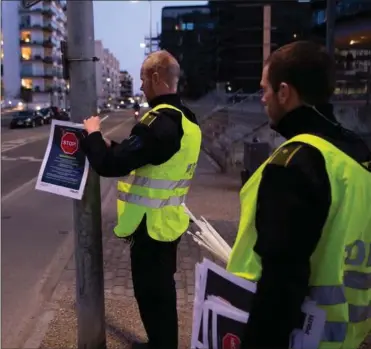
[
  {"x": 150, "y": 117},
  {"x": 283, "y": 156}
]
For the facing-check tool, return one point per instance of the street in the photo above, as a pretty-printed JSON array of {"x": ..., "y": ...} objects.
[{"x": 35, "y": 225}]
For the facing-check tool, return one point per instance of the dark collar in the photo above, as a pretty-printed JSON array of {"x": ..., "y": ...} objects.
[
  {"x": 172, "y": 99},
  {"x": 306, "y": 120}
]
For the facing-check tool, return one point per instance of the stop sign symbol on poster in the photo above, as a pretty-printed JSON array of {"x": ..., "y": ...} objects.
[
  {"x": 231, "y": 341},
  {"x": 69, "y": 143}
]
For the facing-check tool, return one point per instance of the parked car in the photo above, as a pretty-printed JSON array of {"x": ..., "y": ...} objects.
[
  {"x": 59, "y": 114},
  {"x": 64, "y": 115},
  {"x": 27, "y": 118},
  {"x": 47, "y": 115}
]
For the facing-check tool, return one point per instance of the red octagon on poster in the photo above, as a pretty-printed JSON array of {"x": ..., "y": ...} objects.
[
  {"x": 69, "y": 143},
  {"x": 231, "y": 341}
]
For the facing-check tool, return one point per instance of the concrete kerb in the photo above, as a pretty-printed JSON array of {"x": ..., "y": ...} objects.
[{"x": 52, "y": 289}]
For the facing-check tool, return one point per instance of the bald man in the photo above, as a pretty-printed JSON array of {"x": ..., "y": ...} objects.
[{"x": 160, "y": 155}]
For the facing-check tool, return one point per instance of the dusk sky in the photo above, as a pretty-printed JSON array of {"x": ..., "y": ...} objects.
[{"x": 122, "y": 26}]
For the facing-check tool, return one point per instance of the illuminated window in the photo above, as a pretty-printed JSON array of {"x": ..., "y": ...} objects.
[
  {"x": 187, "y": 26},
  {"x": 26, "y": 36},
  {"x": 26, "y": 83},
  {"x": 26, "y": 53}
]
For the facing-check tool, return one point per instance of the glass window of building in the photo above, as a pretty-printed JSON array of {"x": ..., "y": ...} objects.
[
  {"x": 26, "y": 36},
  {"x": 26, "y": 53},
  {"x": 26, "y": 83}
]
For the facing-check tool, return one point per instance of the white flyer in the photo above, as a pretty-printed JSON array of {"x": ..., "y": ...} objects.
[{"x": 64, "y": 169}]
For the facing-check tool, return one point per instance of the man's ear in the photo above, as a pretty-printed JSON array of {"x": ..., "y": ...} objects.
[
  {"x": 156, "y": 78},
  {"x": 283, "y": 92}
]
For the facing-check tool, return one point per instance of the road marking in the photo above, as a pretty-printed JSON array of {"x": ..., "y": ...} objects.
[
  {"x": 6, "y": 158},
  {"x": 116, "y": 127},
  {"x": 16, "y": 143},
  {"x": 50, "y": 290},
  {"x": 24, "y": 158},
  {"x": 31, "y": 183},
  {"x": 19, "y": 189}
]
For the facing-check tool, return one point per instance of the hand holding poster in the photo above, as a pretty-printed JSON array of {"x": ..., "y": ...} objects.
[
  {"x": 64, "y": 168},
  {"x": 221, "y": 310}
]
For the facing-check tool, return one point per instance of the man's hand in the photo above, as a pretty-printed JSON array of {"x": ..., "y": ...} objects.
[{"x": 92, "y": 124}]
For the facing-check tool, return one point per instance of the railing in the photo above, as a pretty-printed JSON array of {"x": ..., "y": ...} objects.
[
  {"x": 226, "y": 129},
  {"x": 33, "y": 42},
  {"x": 32, "y": 58}
]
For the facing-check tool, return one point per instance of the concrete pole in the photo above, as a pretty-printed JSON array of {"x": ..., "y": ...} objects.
[
  {"x": 368, "y": 96},
  {"x": 87, "y": 212},
  {"x": 150, "y": 26},
  {"x": 330, "y": 26}
]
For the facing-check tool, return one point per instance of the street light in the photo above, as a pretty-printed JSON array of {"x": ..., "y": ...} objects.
[{"x": 150, "y": 24}]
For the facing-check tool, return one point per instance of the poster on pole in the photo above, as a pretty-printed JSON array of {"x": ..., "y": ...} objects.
[{"x": 64, "y": 169}]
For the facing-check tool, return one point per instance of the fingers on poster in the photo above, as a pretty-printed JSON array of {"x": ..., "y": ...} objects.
[
  {"x": 64, "y": 169},
  {"x": 221, "y": 311}
]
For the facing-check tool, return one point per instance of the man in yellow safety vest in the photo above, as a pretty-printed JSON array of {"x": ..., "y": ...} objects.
[
  {"x": 305, "y": 227},
  {"x": 160, "y": 156}
]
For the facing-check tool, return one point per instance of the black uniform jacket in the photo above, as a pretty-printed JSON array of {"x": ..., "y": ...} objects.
[
  {"x": 154, "y": 144},
  {"x": 292, "y": 207}
]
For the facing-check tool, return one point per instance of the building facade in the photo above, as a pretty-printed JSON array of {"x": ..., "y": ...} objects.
[
  {"x": 107, "y": 76},
  {"x": 1, "y": 62},
  {"x": 126, "y": 86},
  {"x": 32, "y": 58},
  {"x": 187, "y": 33},
  {"x": 151, "y": 44},
  {"x": 352, "y": 44},
  {"x": 246, "y": 34}
]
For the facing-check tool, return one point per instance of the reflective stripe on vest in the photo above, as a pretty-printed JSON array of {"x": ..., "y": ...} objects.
[
  {"x": 156, "y": 183},
  {"x": 151, "y": 203},
  {"x": 153, "y": 184},
  {"x": 334, "y": 332},
  {"x": 157, "y": 192},
  {"x": 332, "y": 295},
  {"x": 340, "y": 281}
]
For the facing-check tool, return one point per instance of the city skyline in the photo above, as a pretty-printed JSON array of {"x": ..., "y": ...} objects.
[{"x": 130, "y": 28}]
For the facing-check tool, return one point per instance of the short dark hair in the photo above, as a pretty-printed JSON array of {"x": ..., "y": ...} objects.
[{"x": 307, "y": 67}]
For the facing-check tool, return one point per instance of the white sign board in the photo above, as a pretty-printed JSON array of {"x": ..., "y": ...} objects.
[{"x": 64, "y": 169}]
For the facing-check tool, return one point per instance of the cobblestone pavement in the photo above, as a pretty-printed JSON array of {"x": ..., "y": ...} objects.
[{"x": 213, "y": 195}]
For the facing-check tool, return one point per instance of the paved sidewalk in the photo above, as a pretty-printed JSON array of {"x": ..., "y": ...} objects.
[{"x": 213, "y": 195}]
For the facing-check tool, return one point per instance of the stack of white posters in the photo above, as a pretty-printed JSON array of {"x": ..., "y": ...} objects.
[
  {"x": 221, "y": 311},
  {"x": 221, "y": 306}
]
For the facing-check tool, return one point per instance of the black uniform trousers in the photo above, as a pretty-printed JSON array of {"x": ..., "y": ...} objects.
[{"x": 153, "y": 265}]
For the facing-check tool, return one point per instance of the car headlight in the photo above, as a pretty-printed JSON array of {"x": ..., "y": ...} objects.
[{"x": 28, "y": 119}]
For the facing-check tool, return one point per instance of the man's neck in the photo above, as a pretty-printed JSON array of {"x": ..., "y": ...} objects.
[{"x": 170, "y": 98}]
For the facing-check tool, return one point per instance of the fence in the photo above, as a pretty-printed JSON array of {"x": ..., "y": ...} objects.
[{"x": 227, "y": 128}]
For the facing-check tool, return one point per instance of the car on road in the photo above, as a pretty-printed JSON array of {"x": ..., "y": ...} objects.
[
  {"x": 65, "y": 115},
  {"x": 27, "y": 118},
  {"x": 58, "y": 113},
  {"x": 47, "y": 115}
]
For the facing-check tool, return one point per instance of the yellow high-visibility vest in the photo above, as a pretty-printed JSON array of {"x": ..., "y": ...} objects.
[
  {"x": 159, "y": 191},
  {"x": 340, "y": 280}
]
